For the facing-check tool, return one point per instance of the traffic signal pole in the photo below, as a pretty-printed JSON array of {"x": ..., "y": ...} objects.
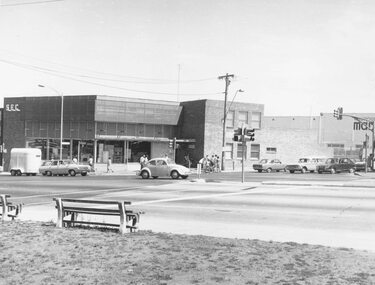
[{"x": 338, "y": 114}]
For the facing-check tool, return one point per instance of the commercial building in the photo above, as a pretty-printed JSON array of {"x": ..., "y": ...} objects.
[
  {"x": 123, "y": 128},
  {"x": 291, "y": 137}
]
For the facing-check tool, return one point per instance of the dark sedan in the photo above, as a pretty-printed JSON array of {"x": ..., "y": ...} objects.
[{"x": 335, "y": 165}]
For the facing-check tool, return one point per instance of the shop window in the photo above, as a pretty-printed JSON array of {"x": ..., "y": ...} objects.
[
  {"x": 229, "y": 151},
  {"x": 230, "y": 119},
  {"x": 256, "y": 120},
  {"x": 255, "y": 151},
  {"x": 239, "y": 150}
]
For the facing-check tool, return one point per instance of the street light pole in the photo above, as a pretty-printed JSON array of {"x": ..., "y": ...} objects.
[{"x": 61, "y": 115}]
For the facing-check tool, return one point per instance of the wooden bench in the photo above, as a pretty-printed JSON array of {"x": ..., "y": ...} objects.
[
  {"x": 8, "y": 210},
  {"x": 72, "y": 207}
]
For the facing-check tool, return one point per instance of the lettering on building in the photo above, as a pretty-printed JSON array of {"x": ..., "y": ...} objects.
[
  {"x": 363, "y": 126},
  {"x": 12, "y": 108}
]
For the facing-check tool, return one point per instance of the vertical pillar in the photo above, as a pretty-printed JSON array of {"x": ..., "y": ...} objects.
[
  {"x": 95, "y": 150},
  {"x": 60, "y": 214}
]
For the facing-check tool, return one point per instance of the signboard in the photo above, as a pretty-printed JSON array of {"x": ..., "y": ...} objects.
[
  {"x": 12, "y": 108},
  {"x": 363, "y": 126}
]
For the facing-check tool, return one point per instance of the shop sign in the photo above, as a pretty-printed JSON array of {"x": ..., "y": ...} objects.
[
  {"x": 12, "y": 108},
  {"x": 363, "y": 126}
]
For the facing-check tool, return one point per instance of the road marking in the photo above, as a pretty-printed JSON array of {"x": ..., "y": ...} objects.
[
  {"x": 251, "y": 190},
  {"x": 77, "y": 192}
]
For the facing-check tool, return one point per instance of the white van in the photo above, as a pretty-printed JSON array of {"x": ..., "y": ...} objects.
[{"x": 25, "y": 161}]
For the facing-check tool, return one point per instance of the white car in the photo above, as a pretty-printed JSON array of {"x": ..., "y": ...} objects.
[{"x": 163, "y": 167}]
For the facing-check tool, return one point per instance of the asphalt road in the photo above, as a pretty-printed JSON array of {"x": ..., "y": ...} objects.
[{"x": 328, "y": 215}]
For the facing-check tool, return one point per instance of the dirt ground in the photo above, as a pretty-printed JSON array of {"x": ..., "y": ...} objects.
[{"x": 40, "y": 253}]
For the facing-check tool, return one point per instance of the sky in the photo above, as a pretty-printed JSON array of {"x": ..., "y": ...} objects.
[{"x": 296, "y": 57}]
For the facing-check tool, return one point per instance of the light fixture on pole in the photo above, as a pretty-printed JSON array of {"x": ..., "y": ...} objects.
[
  {"x": 61, "y": 115},
  {"x": 235, "y": 94}
]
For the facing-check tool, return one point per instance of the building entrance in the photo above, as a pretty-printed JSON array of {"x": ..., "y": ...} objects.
[{"x": 137, "y": 149}]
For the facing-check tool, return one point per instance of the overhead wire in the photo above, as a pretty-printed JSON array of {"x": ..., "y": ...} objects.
[
  {"x": 58, "y": 74},
  {"x": 29, "y": 3}
]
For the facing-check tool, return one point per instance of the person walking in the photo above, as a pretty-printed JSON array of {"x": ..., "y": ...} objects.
[
  {"x": 109, "y": 165},
  {"x": 91, "y": 163}
]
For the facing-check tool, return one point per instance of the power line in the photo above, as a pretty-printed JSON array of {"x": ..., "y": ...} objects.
[
  {"x": 29, "y": 3},
  {"x": 46, "y": 71},
  {"x": 139, "y": 80}
]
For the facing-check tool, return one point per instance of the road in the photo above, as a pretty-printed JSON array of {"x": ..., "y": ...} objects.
[{"x": 314, "y": 209}]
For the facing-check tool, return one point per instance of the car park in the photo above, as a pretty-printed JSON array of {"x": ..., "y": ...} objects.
[
  {"x": 336, "y": 165},
  {"x": 306, "y": 164},
  {"x": 163, "y": 167},
  {"x": 269, "y": 165},
  {"x": 63, "y": 167}
]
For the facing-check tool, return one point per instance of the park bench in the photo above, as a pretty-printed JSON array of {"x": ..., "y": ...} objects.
[
  {"x": 68, "y": 210},
  {"x": 8, "y": 210}
]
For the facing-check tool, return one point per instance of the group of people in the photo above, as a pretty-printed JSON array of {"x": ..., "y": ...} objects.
[{"x": 210, "y": 164}]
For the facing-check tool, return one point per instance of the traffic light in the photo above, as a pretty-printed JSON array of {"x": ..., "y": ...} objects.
[
  {"x": 338, "y": 113},
  {"x": 335, "y": 114},
  {"x": 249, "y": 134},
  {"x": 238, "y": 135},
  {"x": 170, "y": 143}
]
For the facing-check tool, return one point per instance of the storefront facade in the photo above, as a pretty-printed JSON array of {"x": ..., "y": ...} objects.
[{"x": 97, "y": 126}]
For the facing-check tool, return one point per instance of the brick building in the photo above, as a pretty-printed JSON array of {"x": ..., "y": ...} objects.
[{"x": 122, "y": 128}]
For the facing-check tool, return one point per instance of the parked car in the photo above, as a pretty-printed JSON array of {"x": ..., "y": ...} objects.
[
  {"x": 305, "y": 164},
  {"x": 360, "y": 165},
  {"x": 163, "y": 167},
  {"x": 334, "y": 165},
  {"x": 269, "y": 165},
  {"x": 63, "y": 167}
]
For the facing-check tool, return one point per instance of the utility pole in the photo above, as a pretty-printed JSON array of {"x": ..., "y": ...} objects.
[{"x": 227, "y": 82}]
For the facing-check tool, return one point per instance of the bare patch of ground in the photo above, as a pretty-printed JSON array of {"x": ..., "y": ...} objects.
[{"x": 40, "y": 253}]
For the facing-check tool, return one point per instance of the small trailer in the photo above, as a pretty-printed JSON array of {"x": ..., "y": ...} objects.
[{"x": 25, "y": 161}]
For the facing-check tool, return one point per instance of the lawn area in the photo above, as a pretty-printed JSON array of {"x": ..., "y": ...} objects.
[{"x": 40, "y": 253}]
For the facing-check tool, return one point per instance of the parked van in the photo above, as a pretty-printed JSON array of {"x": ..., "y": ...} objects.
[{"x": 25, "y": 161}]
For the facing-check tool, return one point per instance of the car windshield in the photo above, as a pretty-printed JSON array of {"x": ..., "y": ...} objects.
[
  {"x": 263, "y": 161},
  {"x": 330, "y": 160},
  {"x": 46, "y": 163},
  {"x": 303, "y": 160}
]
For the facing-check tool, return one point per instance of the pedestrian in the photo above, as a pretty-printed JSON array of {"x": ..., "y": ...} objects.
[
  {"x": 218, "y": 168},
  {"x": 142, "y": 161},
  {"x": 109, "y": 165},
  {"x": 75, "y": 160},
  {"x": 91, "y": 163}
]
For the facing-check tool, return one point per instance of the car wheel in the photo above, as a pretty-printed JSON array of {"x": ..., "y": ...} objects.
[
  {"x": 34, "y": 174},
  {"x": 145, "y": 175},
  {"x": 83, "y": 173},
  {"x": 72, "y": 172},
  {"x": 175, "y": 174},
  {"x": 291, "y": 171},
  {"x": 333, "y": 171},
  {"x": 49, "y": 173},
  {"x": 19, "y": 173},
  {"x": 303, "y": 170},
  {"x": 351, "y": 170},
  {"x": 320, "y": 172},
  {"x": 269, "y": 170},
  {"x": 259, "y": 170},
  {"x": 184, "y": 176},
  {"x": 13, "y": 172}
]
